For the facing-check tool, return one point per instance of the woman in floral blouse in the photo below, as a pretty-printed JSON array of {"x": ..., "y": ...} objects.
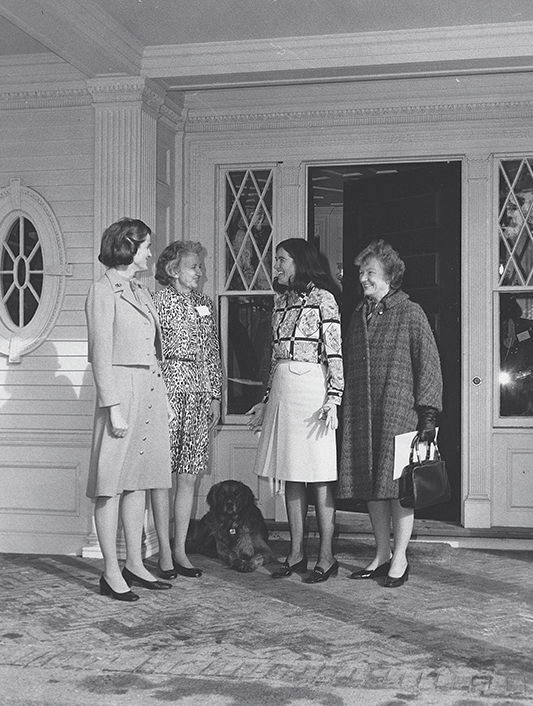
[
  {"x": 298, "y": 414},
  {"x": 193, "y": 376}
]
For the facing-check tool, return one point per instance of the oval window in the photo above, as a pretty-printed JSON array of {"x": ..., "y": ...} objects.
[
  {"x": 21, "y": 272},
  {"x": 33, "y": 270}
]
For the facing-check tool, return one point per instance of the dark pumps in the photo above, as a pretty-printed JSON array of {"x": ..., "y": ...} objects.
[
  {"x": 191, "y": 573},
  {"x": 130, "y": 579},
  {"x": 167, "y": 574},
  {"x": 318, "y": 575},
  {"x": 381, "y": 570},
  {"x": 391, "y": 582},
  {"x": 178, "y": 570},
  {"x": 285, "y": 570},
  {"x": 106, "y": 590}
]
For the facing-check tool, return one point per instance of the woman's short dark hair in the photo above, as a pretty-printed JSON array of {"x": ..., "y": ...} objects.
[
  {"x": 121, "y": 241},
  {"x": 392, "y": 264},
  {"x": 308, "y": 264},
  {"x": 171, "y": 258}
]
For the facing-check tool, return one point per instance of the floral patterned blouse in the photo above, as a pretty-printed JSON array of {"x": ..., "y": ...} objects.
[
  {"x": 307, "y": 328},
  {"x": 190, "y": 340}
]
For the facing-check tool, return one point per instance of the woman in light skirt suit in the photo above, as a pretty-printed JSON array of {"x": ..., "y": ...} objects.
[
  {"x": 130, "y": 449},
  {"x": 298, "y": 414}
]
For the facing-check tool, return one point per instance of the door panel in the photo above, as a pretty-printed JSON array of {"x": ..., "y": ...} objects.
[{"x": 418, "y": 211}]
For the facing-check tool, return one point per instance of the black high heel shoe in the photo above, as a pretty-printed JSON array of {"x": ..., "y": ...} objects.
[
  {"x": 381, "y": 570},
  {"x": 318, "y": 574},
  {"x": 106, "y": 590},
  {"x": 391, "y": 582},
  {"x": 191, "y": 573},
  {"x": 130, "y": 578},
  {"x": 167, "y": 573},
  {"x": 285, "y": 570}
]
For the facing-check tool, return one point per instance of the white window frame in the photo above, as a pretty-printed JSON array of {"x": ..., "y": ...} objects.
[
  {"x": 18, "y": 201},
  {"x": 499, "y": 288},
  {"x": 225, "y": 293}
]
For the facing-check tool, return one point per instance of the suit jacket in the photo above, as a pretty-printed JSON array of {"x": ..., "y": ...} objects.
[{"x": 121, "y": 331}]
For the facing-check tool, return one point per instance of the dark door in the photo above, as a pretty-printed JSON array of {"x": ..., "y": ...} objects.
[{"x": 418, "y": 211}]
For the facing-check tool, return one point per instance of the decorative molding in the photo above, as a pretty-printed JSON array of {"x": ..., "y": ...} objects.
[
  {"x": 360, "y": 116},
  {"x": 55, "y": 439},
  {"x": 171, "y": 117},
  {"x": 66, "y": 471},
  {"x": 125, "y": 90},
  {"x": 63, "y": 98},
  {"x": 478, "y": 167}
]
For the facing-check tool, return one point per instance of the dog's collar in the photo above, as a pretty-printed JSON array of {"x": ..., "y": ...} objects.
[{"x": 233, "y": 528}]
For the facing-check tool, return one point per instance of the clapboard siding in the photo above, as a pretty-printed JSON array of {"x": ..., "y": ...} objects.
[{"x": 51, "y": 150}]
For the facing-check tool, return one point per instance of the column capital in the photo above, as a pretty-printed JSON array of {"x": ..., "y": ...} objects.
[{"x": 127, "y": 90}]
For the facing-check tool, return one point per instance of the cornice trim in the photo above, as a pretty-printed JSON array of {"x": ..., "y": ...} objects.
[
  {"x": 18, "y": 100},
  {"x": 126, "y": 90},
  {"x": 360, "y": 116}
]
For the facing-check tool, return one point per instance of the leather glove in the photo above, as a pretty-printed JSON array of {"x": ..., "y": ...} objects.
[{"x": 427, "y": 419}]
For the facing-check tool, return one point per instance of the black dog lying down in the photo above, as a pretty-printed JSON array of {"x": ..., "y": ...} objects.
[{"x": 234, "y": 529}]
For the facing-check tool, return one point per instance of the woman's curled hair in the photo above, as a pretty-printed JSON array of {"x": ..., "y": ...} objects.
[
  {"x": 121, "y": 240},
  {"x": 310, "y": 267},
  {"x": 169, "y": 262},
  {"x": 393, "y": 265}
]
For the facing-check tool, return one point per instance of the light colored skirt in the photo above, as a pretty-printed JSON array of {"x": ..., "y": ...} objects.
[
  {"x": 295, "y": 444},
  {"x": 141, "y": 459}
]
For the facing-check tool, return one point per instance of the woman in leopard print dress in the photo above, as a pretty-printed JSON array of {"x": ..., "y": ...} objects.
[{"x": 193, "y": 376}]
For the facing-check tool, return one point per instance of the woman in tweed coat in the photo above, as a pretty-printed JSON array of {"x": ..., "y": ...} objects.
[{"x": 393, "y": 385}]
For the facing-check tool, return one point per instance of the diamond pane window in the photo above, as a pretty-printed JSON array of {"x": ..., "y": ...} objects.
[
  {"x": 248, "y": 230},
  {"x": 515, "y": 223},
  {"x": 21, "y": 272}
]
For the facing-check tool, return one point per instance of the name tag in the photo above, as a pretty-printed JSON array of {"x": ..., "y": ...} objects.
[
  {"x": 523, "y": 336},
  {"x": 203, "y": 310}
]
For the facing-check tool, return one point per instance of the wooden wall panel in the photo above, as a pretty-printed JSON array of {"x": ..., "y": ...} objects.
[{"x": 47, "y": 400}]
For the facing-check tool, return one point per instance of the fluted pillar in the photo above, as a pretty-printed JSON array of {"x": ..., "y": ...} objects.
[{"x": 126, "y": 114}]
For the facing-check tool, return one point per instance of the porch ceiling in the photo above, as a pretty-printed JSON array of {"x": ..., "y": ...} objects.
[{"x": 219, "y": 43}]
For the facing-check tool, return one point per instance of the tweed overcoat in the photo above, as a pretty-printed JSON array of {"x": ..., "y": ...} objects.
[
  {"x": 392, "y": 367},
  {"x": 124, "y": 344}
]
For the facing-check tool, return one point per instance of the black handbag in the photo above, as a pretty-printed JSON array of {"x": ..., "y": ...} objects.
[{"x": 424, "y": 482}]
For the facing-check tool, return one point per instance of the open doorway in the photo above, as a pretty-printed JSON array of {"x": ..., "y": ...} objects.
[{"x": 416, "y": 207}]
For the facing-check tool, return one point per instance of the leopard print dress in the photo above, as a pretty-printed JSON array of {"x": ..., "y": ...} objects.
[{"x": 192, "y": 373}]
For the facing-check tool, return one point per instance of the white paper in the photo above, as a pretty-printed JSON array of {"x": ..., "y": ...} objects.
[
  {"x": 203, "y": 310},
  {"x": 402, "y": 451}
]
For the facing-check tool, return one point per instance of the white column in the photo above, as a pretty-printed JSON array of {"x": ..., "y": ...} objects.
[
  {"x": 477, "y": 336},
  {"x": 126, "y": 114}
]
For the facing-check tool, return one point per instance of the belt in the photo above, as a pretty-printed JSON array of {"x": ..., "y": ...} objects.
[{"x": 197, "y": 359}]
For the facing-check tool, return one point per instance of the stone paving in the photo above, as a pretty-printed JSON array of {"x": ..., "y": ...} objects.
[{"x": 460, "y": 631}]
